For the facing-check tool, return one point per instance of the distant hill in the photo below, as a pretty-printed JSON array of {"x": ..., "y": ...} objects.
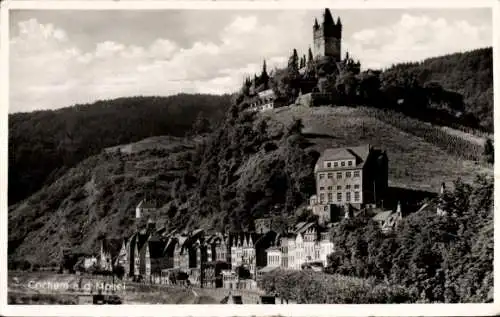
[
  {"x": 249, "y": 166},
  {"x": 469, "y": 74},
  {"x": 44, "y": 144}
]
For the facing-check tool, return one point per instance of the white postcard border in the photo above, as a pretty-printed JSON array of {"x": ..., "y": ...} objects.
[{"x": 230, "y": 310}]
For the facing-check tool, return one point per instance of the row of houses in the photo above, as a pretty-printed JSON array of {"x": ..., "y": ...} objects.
[
  {"x": 213, "y": 259},
  {"x": 350, "y": 181}
]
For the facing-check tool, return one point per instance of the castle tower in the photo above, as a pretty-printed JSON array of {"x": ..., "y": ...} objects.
[{"x": 327, "y": 37}]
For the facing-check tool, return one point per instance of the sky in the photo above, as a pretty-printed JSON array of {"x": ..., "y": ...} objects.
[{"x": 59, "y": 58}]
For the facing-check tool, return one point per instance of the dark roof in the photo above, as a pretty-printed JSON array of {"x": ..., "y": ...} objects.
[
  {"x": 360, "y": 153},
  {"x": 147, "y": 204},
  {"x": 141, "y": 240},
  {"x": 156, "y": 248},
  {"x": 112, "y": 246},
  {"x": 266, "y": 240}
]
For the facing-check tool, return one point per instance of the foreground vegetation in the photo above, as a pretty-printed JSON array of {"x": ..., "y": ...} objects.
[
  {"x": 441, "y": 259},
  {"x": 308, "y": 287},
  {"x": 427, "y": 259}
]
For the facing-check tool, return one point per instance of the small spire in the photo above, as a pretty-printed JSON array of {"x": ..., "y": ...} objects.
[
  {"x": 338, "y": 22},
  {"x": 316, "y": 25}
]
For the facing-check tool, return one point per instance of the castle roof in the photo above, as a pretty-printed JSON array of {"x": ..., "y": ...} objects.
[{"x": 359, "y": 153}]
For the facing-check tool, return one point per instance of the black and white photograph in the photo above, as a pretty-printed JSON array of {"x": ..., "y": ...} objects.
[{"x": 276, "y": 155}]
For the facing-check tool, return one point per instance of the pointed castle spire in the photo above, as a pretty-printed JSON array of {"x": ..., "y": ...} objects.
[
  {"x": 316, "y": 25},
  {"x": 327, "y": 17}
]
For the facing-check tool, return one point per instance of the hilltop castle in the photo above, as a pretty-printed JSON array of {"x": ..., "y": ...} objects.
[{"x": 313, "y": 76}]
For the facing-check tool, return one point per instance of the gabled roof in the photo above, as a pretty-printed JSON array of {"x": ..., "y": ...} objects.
[
  {"x": 382, "y": 216},
  {"x": 112, "y": 247},
  {"x": 360, "y": 153},
  {"x": 306, "y": 227},
  {"x": 266, "y": 94},
  {"x": 147, "y": 204}
]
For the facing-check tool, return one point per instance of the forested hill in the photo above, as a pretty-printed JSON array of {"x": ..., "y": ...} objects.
[
  {"x": 44, "y": 144},
  {"x": 470, "y": 74}
]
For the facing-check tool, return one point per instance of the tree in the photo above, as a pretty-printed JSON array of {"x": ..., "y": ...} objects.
[
  {"x": 295, "y": 127},
  {"x": 119, "y": 271},
  {"x": 264, "y": 77},
  {"x": 489, "y": 151},
  {"x": 293, "y": 64},
  {"x": 201, "y": 125}
]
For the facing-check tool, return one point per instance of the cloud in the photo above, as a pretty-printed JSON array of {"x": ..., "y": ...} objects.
[
  {"x": 49, "y": 69},
  {"x": 414, "y": 38}
]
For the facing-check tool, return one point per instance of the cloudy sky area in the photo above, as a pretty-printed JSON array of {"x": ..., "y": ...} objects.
[{"x": 60, "y": 58}]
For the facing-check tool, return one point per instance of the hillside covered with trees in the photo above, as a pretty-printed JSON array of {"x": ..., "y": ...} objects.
[
  {"x": 249, "y": 166},
  {"x": 44, "y": 144}
]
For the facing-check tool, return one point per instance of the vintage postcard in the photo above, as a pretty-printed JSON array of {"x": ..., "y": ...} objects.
[{"x": 261, "y": 158}]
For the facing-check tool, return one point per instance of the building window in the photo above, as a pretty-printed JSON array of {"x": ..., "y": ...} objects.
[
  {"x": 321, "y": 188},
  {"x": 325, "y": 208},
  {"x": 339, "y": 175},
  {"x": 342, "y": 163},
  {"x": 339, "y": 187},
  {"x": 356, "y": 186},
  {"x": 328, "y": 164},
  {"x": 330, "y": 175},
  {"x": 329, "y": 187},
  {"x": 339, "y": 196},
  {"x": 356, "y": 174},
  {"x": 330, "y": 197},
  {"x": 356, "y": 196},
  {"x": 349, "y": 163},
  {"x": 347, "y": 174},
  {"x": 321, "y": 197},
  {"x": 321, "y": 176},
  {"x": 348, "y": 196},
  {"x": 347, "y": 186},
  {"x": 335, "y": 164}
]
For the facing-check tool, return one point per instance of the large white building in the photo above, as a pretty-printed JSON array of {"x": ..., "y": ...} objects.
[
  {"x": 306, "y": 244},
  {"x": 350, "y": 177}
]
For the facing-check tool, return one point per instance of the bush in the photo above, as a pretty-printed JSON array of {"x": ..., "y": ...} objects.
[{"x": 308, "y": 287}]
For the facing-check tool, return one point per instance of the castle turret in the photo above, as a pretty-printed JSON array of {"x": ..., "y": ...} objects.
[{"x": 327, "y": 37}]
